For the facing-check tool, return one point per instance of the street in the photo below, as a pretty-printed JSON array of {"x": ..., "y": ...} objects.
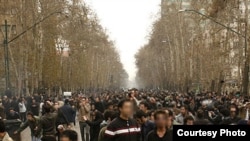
[{"x": 25, "y": 135}]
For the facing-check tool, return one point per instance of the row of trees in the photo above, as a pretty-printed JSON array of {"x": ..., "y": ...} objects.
[
  {"x": 66, "y": 52},
  {"x": 187, "y": 50}
]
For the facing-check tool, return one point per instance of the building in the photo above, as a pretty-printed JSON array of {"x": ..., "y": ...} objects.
[{"x": 8, "y": 11}]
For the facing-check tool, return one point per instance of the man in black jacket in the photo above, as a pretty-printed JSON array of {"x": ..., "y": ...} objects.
[
  {"x": 161, "y": 133},
  {"x": 123, "y": 128},
  {"x": 67, "y": 112},
  {"x": 48, "y": 121},
  {"x": 146, "y": 125}
]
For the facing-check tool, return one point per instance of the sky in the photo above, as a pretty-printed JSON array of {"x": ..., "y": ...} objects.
[{"x": 128, "y": 23}]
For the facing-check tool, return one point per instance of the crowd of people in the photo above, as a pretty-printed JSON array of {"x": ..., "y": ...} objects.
[{"x": 133, "y": 115}]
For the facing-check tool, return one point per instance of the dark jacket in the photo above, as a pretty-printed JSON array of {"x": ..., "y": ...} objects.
[
  {"x": 7, "y": 105},
  {"x": 202, "y": 122},
  {"x": 216, "y": 120},
  {"x": 95, "y": 127},
  {"x": 34, "y": 108},
  {"x": 11, "y": 116},
  {"x": 68, "y": 112},
  {"x": 48, "y": 122},
  {"x": 229, "y": 120},
  {"x": 99, "y": 106},
  {"x": 153, "y": 136},
  {"x": 2, "y": 113},
  {"x": 14, "y": 104},
  {"x": 123, "y": 130},
  {"x": 146, "y": 128},
  {"x": 35, "y": 131}
]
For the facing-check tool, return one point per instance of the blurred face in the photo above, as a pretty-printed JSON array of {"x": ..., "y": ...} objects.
[
  {"x": 209, "y": 94},
  {"x": 64, "y": 139},
  {"x": 139, "y": 121},
  {"x": 115, "y": 108},
  {"x": 169, "y": 122},
  {"x": 111, "y": 107},
  {"x": 56, "y": 105},
  {"x": 152, "y": 117},
  {"x": 61, "y": 129},
  {"x": 12, "y": 111},
  {"x": 161, "y": 121},
  {"x": 167, "y": 111},
  {"x": 97, "y": 99},
  {"x": 87, "y": 100},
  {"x": 127, "y": 109},
  {"x": 83, "y": 101},
  {"x": 92, "y": 107},
  {"x": 183, "y": 110},
  {"x": 142, "y": 107},
  {"x": 29, "y": 117},
  {"x": 233, "y": 112},
  {"x": 190, "y": 122}
]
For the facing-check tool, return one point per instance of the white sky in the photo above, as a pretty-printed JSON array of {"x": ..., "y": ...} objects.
[{"x": 128, "y": 23}]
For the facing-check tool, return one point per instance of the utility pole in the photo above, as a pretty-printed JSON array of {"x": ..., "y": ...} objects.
[
  {"x": 245, "y": 80},
  {"x": 6, "y": 42},
  {"x": 6, "y": 57}
]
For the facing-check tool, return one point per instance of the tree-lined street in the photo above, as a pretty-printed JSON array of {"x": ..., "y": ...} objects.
[
  {"x": 198, "y": 44},
  {"x": 57, "y": 47},
  {"x": 127, "y": 70}
]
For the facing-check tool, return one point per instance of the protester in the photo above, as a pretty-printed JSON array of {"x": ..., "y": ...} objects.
[
  {"x": 22, "y": 109},
  {"x": 234, "y": 114},
  {"x": 2, "y": 111},
  {"x": 34, "y": 108},
  {"x": 123, "y": 128},
  {"x": 7, "y": 103},
  {"x": 48, "y": 138},
  {"x": 109, "y": 116},
  {"x": 200, "y": 119},
  {"x": 161, "y": 133},
  {"x": 136, "y": 115},
  {"x": 12, "y": 114},
  {"x": 48, "y": 121},
  {"x": 4, "y": 136},
  {"x": 33, "y": 122},
  {"x": 69, "y": 135},
  {"x": 110, "y": 106},
  {"x": 99, "y": 105},
  {"x": 144, "y": 106},
  {"x": 146, "y": 125},
  {"x": 94, "y": 125},
  {"x": 189, "y": 120},
  {"x": 171, "y": 119},
  {"x": 184, "y": 113},
  {"x": 151, "y": 115},
  {"x": 68, "y": 112},
  {"x": 84, "y": 110}
]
